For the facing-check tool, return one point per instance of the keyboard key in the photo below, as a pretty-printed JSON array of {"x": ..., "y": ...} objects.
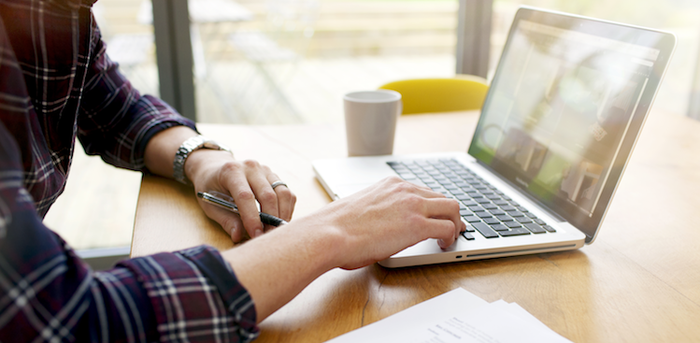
[
  {"x": 456, "y": 192},
  {"x": 470, "y": 203},
  {"x": 443, "y": 181},
  {"x": 425, "y": 177},
  {"x": 549, "y": 228},
  {"x": 539, "y": 221},
  {"x": 469, "y": 228},
  {"x": 523, "y": 220},
  {"x": 476, "y": 208},
  {"x": 407, "y": 176},
  {"x": 465, "y": 212},
  {"x": 490, "y": 220},
  {"x": 514, "y": 232},
  {"x": 534, "y": 228},
  {"x": 483, "y": 214},
  {"x": 505, "y": 218},
  {"x": 472, "y": 219},
  {"x": 489, "y": 206},
  {"x": 485, "y": 230},
  {"x": 497, "y": 212},
  {"x": 512, "y": 224},
  {"x": 500, "y": 227},
  {"x": 468, "y": 236}
]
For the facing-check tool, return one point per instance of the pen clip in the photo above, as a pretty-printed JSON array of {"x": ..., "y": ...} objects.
[{"x": 219, "y": 199}]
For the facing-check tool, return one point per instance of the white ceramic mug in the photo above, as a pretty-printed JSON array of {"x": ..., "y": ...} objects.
[{"x": 370, "y": 121}]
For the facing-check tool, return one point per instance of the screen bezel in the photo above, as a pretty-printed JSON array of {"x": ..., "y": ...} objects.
[{"x": 663, "y": 41}]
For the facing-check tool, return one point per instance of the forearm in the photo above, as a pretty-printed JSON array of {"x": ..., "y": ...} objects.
[
  {"x": 275, "y": 267},
  {"x": 116, "y": 121}
]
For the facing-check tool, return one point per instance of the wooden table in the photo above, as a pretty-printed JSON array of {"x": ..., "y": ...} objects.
[{"x": 639, "y": 282}]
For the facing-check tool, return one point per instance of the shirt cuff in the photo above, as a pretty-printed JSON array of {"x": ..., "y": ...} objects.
[{"x": 196, "y": 296}]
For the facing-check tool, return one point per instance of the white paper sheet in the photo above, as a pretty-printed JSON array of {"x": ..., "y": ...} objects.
[
  {"x": 385, "y": 330},
  {"x": 457, "y": 316}
]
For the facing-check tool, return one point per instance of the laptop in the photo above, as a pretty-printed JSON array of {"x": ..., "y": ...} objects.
[{"x": 558, "y": 125}]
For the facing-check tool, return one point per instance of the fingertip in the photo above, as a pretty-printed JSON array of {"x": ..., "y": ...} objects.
[{"x": 236, "y": 234}]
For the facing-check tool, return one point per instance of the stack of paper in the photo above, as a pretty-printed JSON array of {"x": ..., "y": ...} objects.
[{"x": 455, "y": 317}]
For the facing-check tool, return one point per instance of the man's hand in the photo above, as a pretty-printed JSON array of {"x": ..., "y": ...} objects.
[
  {"x": 248, "y": 182},
  {"x": 388, "y": 217},
  {"x": 366, "y": 227}
]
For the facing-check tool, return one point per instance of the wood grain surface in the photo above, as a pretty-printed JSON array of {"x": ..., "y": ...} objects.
[{"x": 638, "y": 282}]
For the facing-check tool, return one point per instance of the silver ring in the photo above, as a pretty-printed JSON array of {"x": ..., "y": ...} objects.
[{"x": 278, "y": 183}]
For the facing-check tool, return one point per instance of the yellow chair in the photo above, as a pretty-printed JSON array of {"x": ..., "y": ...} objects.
[{"x": 461, "y": 93}]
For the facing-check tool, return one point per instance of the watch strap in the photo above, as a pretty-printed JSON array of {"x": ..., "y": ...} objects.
[{"x": 188, "y": 146}]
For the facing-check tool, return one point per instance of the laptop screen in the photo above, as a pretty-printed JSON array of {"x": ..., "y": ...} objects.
[{"x": 565, "y": 107}]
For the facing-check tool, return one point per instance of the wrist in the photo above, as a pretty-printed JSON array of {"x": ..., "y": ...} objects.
[
  {"x": 203, "y": 160},
  {"x": 276, "y": 266},
  {"x": 324, "y": 242},
  {"x": 186, "y": 149}
]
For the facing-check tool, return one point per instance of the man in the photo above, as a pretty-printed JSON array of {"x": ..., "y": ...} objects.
[{"x": 56, "y": 84}]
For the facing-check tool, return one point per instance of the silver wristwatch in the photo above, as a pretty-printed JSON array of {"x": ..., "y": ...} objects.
[{"x": 187, "y": 147}]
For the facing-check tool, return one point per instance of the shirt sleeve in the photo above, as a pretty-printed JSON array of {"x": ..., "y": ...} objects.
[
  {"x": 48, "y": 294},
  {"x": 115, "y": 120}
]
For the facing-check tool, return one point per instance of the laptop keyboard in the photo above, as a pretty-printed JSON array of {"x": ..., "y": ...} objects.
[{"x": 486, "y": 209}]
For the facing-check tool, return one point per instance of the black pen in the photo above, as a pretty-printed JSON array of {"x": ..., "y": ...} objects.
[{"x": 226, "y": 202}]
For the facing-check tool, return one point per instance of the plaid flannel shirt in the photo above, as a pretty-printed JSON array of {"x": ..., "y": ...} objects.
[{"x": 56, "y": 84}]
